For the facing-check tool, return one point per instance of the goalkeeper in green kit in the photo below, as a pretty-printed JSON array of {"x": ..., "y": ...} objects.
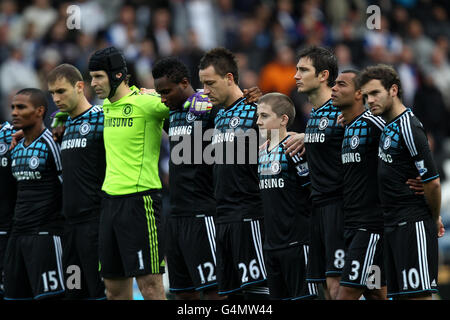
[{"x": 130, "y": 227}]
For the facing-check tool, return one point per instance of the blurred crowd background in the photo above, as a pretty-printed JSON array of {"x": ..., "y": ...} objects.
[{"x": 265, "y": 35}]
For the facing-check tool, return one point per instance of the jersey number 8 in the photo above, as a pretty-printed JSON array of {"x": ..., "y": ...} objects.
[{"x": 339, "y": 256}]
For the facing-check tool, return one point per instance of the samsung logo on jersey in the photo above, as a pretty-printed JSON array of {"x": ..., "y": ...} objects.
[
  {"x": 223, "y": 137},
  {"x": 27, "y": 175},
  {"x": 74, "y": 143},
  {"x": 180, "y": 130},
  {"x": 3, "y": 162},
  {"x": 271, "y": 183},
  {"x": 314, "y": 137},
  {"x": 118, "y": 122},
  {"x": 351, "y": 157},
  {"x": 383, "y": 156},
  {"x": 242, "y": 150}
]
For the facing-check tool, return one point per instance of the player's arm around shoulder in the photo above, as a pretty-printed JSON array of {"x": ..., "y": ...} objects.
[
  {"x": 295, "y": 144},
  {"x": 153, "y": 105}
]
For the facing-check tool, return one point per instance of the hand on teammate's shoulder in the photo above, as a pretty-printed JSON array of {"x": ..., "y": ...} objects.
[
  {"x": 295, "y": 144},
  {"x": 198, "y": 104},
  {"x": 151, "y": 92},
  {"x": 252, "y": 95}
]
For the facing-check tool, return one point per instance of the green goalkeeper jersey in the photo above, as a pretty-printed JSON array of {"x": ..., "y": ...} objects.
[{"x": 132, "y": 136}]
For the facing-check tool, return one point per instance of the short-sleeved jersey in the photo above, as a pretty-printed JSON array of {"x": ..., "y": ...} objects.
[
  {"x": 83, "y": 159},
  {"x": 362, "y": 207},
  {"x": 190, "y": 176},
  {"x": 404, "y": 154},
  {"x": 8, "y": 187},
  {"x": 236, "y": 183},
  {"x": 132, "y": 135},
  {"x": 323, "y": 143},
  {"x": 37, "y": 169},
  {"x": 284, "y": 185}
]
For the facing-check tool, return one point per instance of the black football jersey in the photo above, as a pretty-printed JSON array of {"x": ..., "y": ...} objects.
[
  {"x": 285, "y": 192},
  {"x": 8, "y": 187},
  {"x": 37, "y": 170},
  {"x": 323, "y": 143},
  {"x": 190, "y": 173},
  {"x": 404, "y": 154},
  {"x": 83, "y": 159},
  {"x": 362, "y": 207},
  {"x": 235, "y": 143}
]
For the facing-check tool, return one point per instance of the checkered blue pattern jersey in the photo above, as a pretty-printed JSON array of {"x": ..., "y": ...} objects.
[
  {"x": 37, "y": 169},
  {"x": 83, "y": 160},
  {"x": 359, "y": 158},
  {"x": 285, "y": 193},
  {"x": 323, "y": 142},
  {"x": 404, "y": 154},
  {"x": 245, "y": 112},
  {"x": 191, "y": 178},
  {"x": 8, "y": 187},
  {"x": 235, "y": 143}
]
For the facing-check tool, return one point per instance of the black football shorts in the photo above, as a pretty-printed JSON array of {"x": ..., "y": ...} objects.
[{"x": 130, "y": 239}]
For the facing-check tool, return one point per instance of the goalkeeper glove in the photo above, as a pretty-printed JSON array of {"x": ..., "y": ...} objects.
[
  {"x": 198, "y": 104},
  {"x": 58, "y": 118}
]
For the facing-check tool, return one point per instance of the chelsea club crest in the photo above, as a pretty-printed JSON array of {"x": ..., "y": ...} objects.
[
  {"x": 387, "y": 143},
  {"x": 354, "y": 142},
  {"x": 85, "y": 128},
  {"x": 323, "y": 123},
  {"x": 234, "y": 122},
  {"x": 190, "y": 117}
]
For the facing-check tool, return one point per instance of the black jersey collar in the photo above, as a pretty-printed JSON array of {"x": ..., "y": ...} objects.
[
  {"x": 83, "y": 113},
  {"x": 36, "y": 139},
  {"x": 399, "y": 116},
  {"x": 328, "y": 102},
  {"x": 277, "y": 146},
  {"x": 356, "y": 118},
  {"x": 234, "y": 104}
]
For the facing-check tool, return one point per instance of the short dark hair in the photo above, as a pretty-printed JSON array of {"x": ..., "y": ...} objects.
[
  {"x": 280, "y": 104},
  {"x": 223, "y": 61},
  {"x": 67, "y": 71},
  {"x": 383, "y": 72},
  {"x": 322, "y": 59},
  {"x": 172, "y": 68},
  {"x": 37, "y": 97},
  {"x": 355, "y": 78}
]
